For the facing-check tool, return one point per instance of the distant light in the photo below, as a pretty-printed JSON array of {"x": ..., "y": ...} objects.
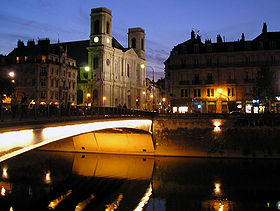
[
  {"x": 104, "y": 98},
  {"x": 42, "y": 103},
  {"x": 144, "y": 92},
  {"x": 48, "y": 178},
  {"x": 220, "y": 91},
  {"x": 142, "y": 66},
  {"x": 13, "y": 81},
  {"x": 108, "y": 40},
  {"x": 278, "y": 205},
  {"x": 3, "y": 191},
  {"x": 88, "y": 94},
  {"x": 217, "y": 189},
  {"x": 151, "y": 95},
  {"x": 96, "y": 39},
  {"x": 87, "y": 68},
  {"x": 5, "y": 173},
  {"x": 199, "y": 106},
  {"x": 217, "y": 123},
  {"x": 163, "y": 99},
  {"x": 12, "y": 74}
]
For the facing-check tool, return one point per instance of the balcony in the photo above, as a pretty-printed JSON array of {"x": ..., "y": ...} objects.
[
  {"x": 231, "y": 81},
  {"x": 196, "y": 82},
  {"x": 249, "y": 80},
  {"x": 209, "y": 81},
  {"x": 184, "y": 82}
]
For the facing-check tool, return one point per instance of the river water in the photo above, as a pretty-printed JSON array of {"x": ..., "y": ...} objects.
[{"x": 41, "y": 180}]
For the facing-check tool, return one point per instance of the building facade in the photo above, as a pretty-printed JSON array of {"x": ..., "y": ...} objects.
[
  {"x": 115, "y": 75},
  {"x": 225, "y": 76},
  {"x": 43, "y": 73}
]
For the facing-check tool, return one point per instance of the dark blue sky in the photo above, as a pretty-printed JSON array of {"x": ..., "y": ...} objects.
[{"x": 166, "y": 22}]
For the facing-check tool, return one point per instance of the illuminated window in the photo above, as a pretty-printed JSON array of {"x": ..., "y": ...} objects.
[
  {"x": 17, "y": 59},
  {"x": 212, "y": 92},
  {"x": 25, "y": 58},
  {"x": 43, "y": 59}
]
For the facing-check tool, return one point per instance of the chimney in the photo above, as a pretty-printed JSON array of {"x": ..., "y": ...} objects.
[
  {"x": 30, "y": 43},
  {"x": 264, "y": 29},
  {"x": 192, "y": 35},
  {"x": 20, "y": 44},
  {"x": 219, "y": 39}
]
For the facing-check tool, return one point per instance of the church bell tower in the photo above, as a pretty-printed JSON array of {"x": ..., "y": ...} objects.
[{"x": 101, "y": 24}]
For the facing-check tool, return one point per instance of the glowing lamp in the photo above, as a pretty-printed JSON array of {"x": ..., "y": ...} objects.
[
  {"x": 163, "y": 99},
  {"x": 11, "y": 74},
  {"x": 220, "y": 91},
  {"x": 142, "y": 66},
  {"x": 87, "y": 68}
]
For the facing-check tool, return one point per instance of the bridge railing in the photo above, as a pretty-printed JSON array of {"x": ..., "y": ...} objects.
[{"x": 20, "y": 112}]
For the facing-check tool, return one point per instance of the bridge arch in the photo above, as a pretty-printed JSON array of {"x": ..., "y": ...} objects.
[{"x": 82, "y": 135}]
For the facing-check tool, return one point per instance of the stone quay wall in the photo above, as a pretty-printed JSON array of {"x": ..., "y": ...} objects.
[{"x": 228, "y": 136}]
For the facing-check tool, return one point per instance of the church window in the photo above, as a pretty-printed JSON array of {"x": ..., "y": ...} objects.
[
  {"x": 108, "y": 28},
  {"x": 133, "y": 42},
  {"x": 127, "y": 70},
  {"x": 95, "y": 62},
  {"x": 96, "y": 27}
]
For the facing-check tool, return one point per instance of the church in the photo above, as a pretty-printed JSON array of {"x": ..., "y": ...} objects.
[{"x": 113, "y": 75}]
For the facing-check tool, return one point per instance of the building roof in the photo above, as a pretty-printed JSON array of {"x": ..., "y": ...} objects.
[{"x": 269, "y": 40}]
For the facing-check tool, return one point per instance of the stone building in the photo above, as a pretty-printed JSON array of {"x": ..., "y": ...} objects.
[
  {"x": 108, "y": 73},
  {"x": 225, "y": 76},
  {"x": 43, "y": 72},
  {"x": 116, "y": 75}
]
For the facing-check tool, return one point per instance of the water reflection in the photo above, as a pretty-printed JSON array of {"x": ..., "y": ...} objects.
[{"x": 40, "y": 180}]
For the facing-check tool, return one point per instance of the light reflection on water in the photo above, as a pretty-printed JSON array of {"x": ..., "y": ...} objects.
[{"x": 40, "y": 180}]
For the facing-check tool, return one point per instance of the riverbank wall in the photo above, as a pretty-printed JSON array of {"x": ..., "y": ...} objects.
[{"x": 248, "y": 136}]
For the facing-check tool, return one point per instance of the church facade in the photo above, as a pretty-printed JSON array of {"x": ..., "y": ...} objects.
[{"x": 115, "y": 75}]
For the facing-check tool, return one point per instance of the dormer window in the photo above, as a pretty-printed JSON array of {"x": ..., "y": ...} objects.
[
  {"x": 196, "y": 48},
  {"x": 208, "y": 47}
]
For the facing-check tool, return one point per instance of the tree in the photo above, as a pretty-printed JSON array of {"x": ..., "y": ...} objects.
[
  {"x": 264, "y": 87},
  {"x": 5, "y": 86}
]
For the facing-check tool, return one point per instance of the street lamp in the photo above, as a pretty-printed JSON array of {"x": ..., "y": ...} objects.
[{"x": 87, "y": 68}]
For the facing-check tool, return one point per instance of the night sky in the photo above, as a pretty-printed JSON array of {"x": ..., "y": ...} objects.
[{"x": 166, "y": 22}]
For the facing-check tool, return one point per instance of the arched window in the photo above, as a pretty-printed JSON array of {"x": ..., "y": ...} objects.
[
  {"x": 108, "y": 28},
  {"x": 142, "y": 44},
  {"x": 96, "y": 27},
  {"x": 133, "y": 42}
]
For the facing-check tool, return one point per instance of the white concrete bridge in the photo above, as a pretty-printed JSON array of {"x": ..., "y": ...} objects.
[{"x": 83, "y": 136}]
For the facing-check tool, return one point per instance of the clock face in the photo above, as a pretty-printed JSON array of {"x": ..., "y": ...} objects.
[
  {"x": 96, "y": 39},
  {"x": 107, "y": 61}
]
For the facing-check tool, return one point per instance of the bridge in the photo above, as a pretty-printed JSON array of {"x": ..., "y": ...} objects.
[{"x": 125, "y": 135}]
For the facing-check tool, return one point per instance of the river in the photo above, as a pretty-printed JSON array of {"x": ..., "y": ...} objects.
[{"x": 42, "y": 180}]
